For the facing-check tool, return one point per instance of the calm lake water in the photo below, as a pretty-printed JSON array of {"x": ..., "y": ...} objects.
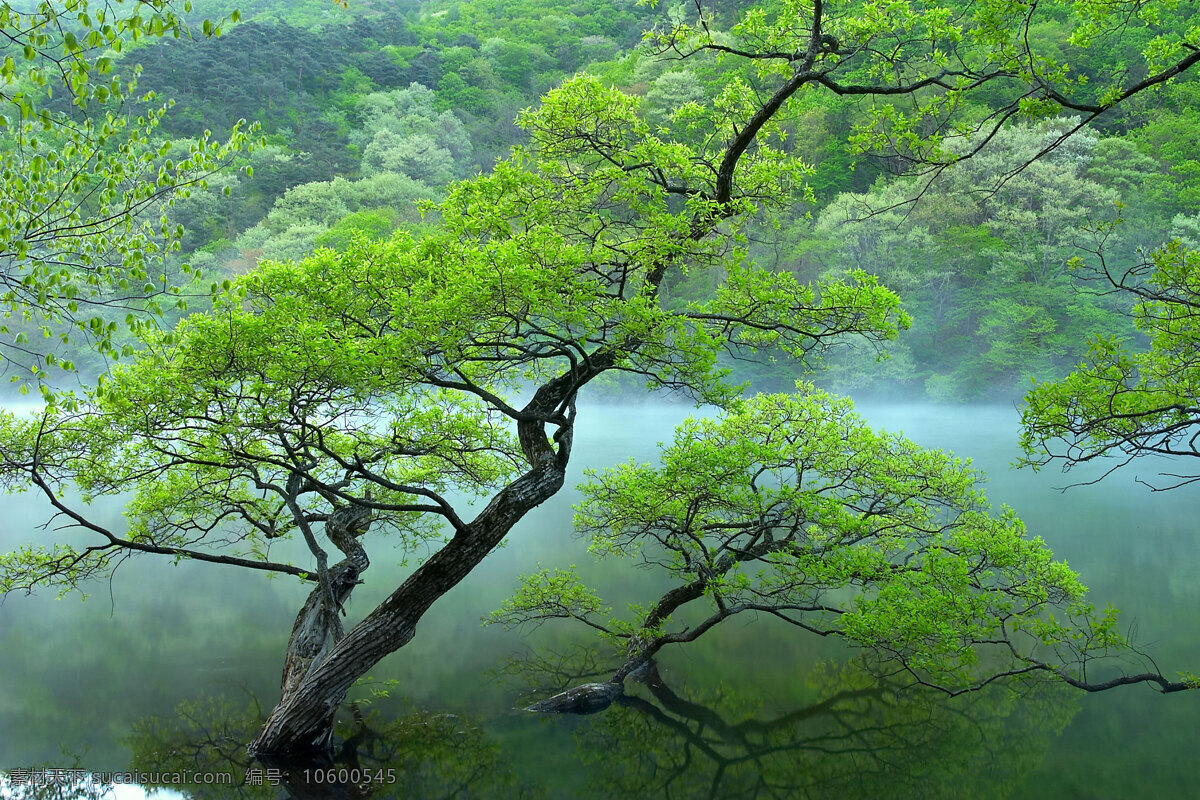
[{"x": 165, "y": 659}]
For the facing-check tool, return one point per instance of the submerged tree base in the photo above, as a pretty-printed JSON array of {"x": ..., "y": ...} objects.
[{"x": 588, "y": 698}]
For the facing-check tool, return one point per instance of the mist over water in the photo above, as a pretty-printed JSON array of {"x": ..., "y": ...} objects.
[{"x": 80, "y": 675}]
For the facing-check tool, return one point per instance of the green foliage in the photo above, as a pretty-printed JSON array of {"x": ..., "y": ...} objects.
[
  {"x": 1121, "y": 402},
  {"x": 380, "y": 374},
  {"x": 403, "y": 133},
  {"x": 546, "y": 595},
  {"x": 328, "y": 213},
  {"x": 84, "y": 226},
  {"x": 371, "y": 224},
  {"x": 791, "y": 505},
  {"x": 985, "y": 272}
]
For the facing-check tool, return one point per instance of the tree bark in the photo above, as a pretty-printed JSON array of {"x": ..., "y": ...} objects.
[
  {"x": 303, "y": 720},
  {"x": 318, "y": 628}
]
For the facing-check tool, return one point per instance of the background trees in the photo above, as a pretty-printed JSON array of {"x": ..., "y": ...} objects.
[{"x": 982, "y": 261}]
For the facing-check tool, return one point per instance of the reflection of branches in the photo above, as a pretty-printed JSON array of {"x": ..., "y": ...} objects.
[
  {"x": 44, "y": 783},
  {"x": 863, "y": 737},
  {"x": 206, "y": 736},
  {"x": 419, "y": 754},
  {"x": 545, "y": 672}
]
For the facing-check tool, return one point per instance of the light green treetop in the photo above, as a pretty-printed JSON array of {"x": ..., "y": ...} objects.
[
  {"x": 790, "y": 505},
  {"x": 384, "y": 376}
]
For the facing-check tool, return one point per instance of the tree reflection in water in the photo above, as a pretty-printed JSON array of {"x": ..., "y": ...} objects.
[
  {"x": 417, "y": 755},
  {"x": 862, "y": 735},
  {"x": 858, "y": 736},
  {"x": 67, "y": 784}
]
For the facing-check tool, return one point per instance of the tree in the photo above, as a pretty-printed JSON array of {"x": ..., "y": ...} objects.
[
  {"x": 417, "y": 156},
  {"x": 403, "y": 133},
  {"x": 1122, "y": 402},
  {"x": 355, "y": 391},
  {"x": 309, "y": 214},
  {"x": 791, "y": 506},
  {"x": 83, "y": 228},
  {"x": 985, "y": 271}
]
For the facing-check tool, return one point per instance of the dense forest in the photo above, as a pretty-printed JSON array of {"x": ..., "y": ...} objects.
[
  {"x": 429, "y": 93},
  {"x": 367, "y": 112}
]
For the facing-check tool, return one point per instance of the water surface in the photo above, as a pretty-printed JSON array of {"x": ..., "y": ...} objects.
[{"x": 80, "y": 677}]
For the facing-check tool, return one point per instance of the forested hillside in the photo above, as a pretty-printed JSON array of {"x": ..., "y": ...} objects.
[{"x": 368, "y": 110}]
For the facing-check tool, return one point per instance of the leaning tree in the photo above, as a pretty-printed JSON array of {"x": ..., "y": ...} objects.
[{"x": 364, "y": 391}]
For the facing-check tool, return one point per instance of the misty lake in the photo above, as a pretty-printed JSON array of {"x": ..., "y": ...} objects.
[{"x": 179, "y": 659}]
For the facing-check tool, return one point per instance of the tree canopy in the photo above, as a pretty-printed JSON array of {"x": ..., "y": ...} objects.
[{"x": 791, "y": 506}]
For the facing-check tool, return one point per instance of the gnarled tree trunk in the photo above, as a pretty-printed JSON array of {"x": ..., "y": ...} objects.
[{"x": 302, "y": 722}]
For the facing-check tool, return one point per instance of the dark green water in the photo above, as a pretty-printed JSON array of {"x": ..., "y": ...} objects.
[{"x": 78, "y": 677}]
